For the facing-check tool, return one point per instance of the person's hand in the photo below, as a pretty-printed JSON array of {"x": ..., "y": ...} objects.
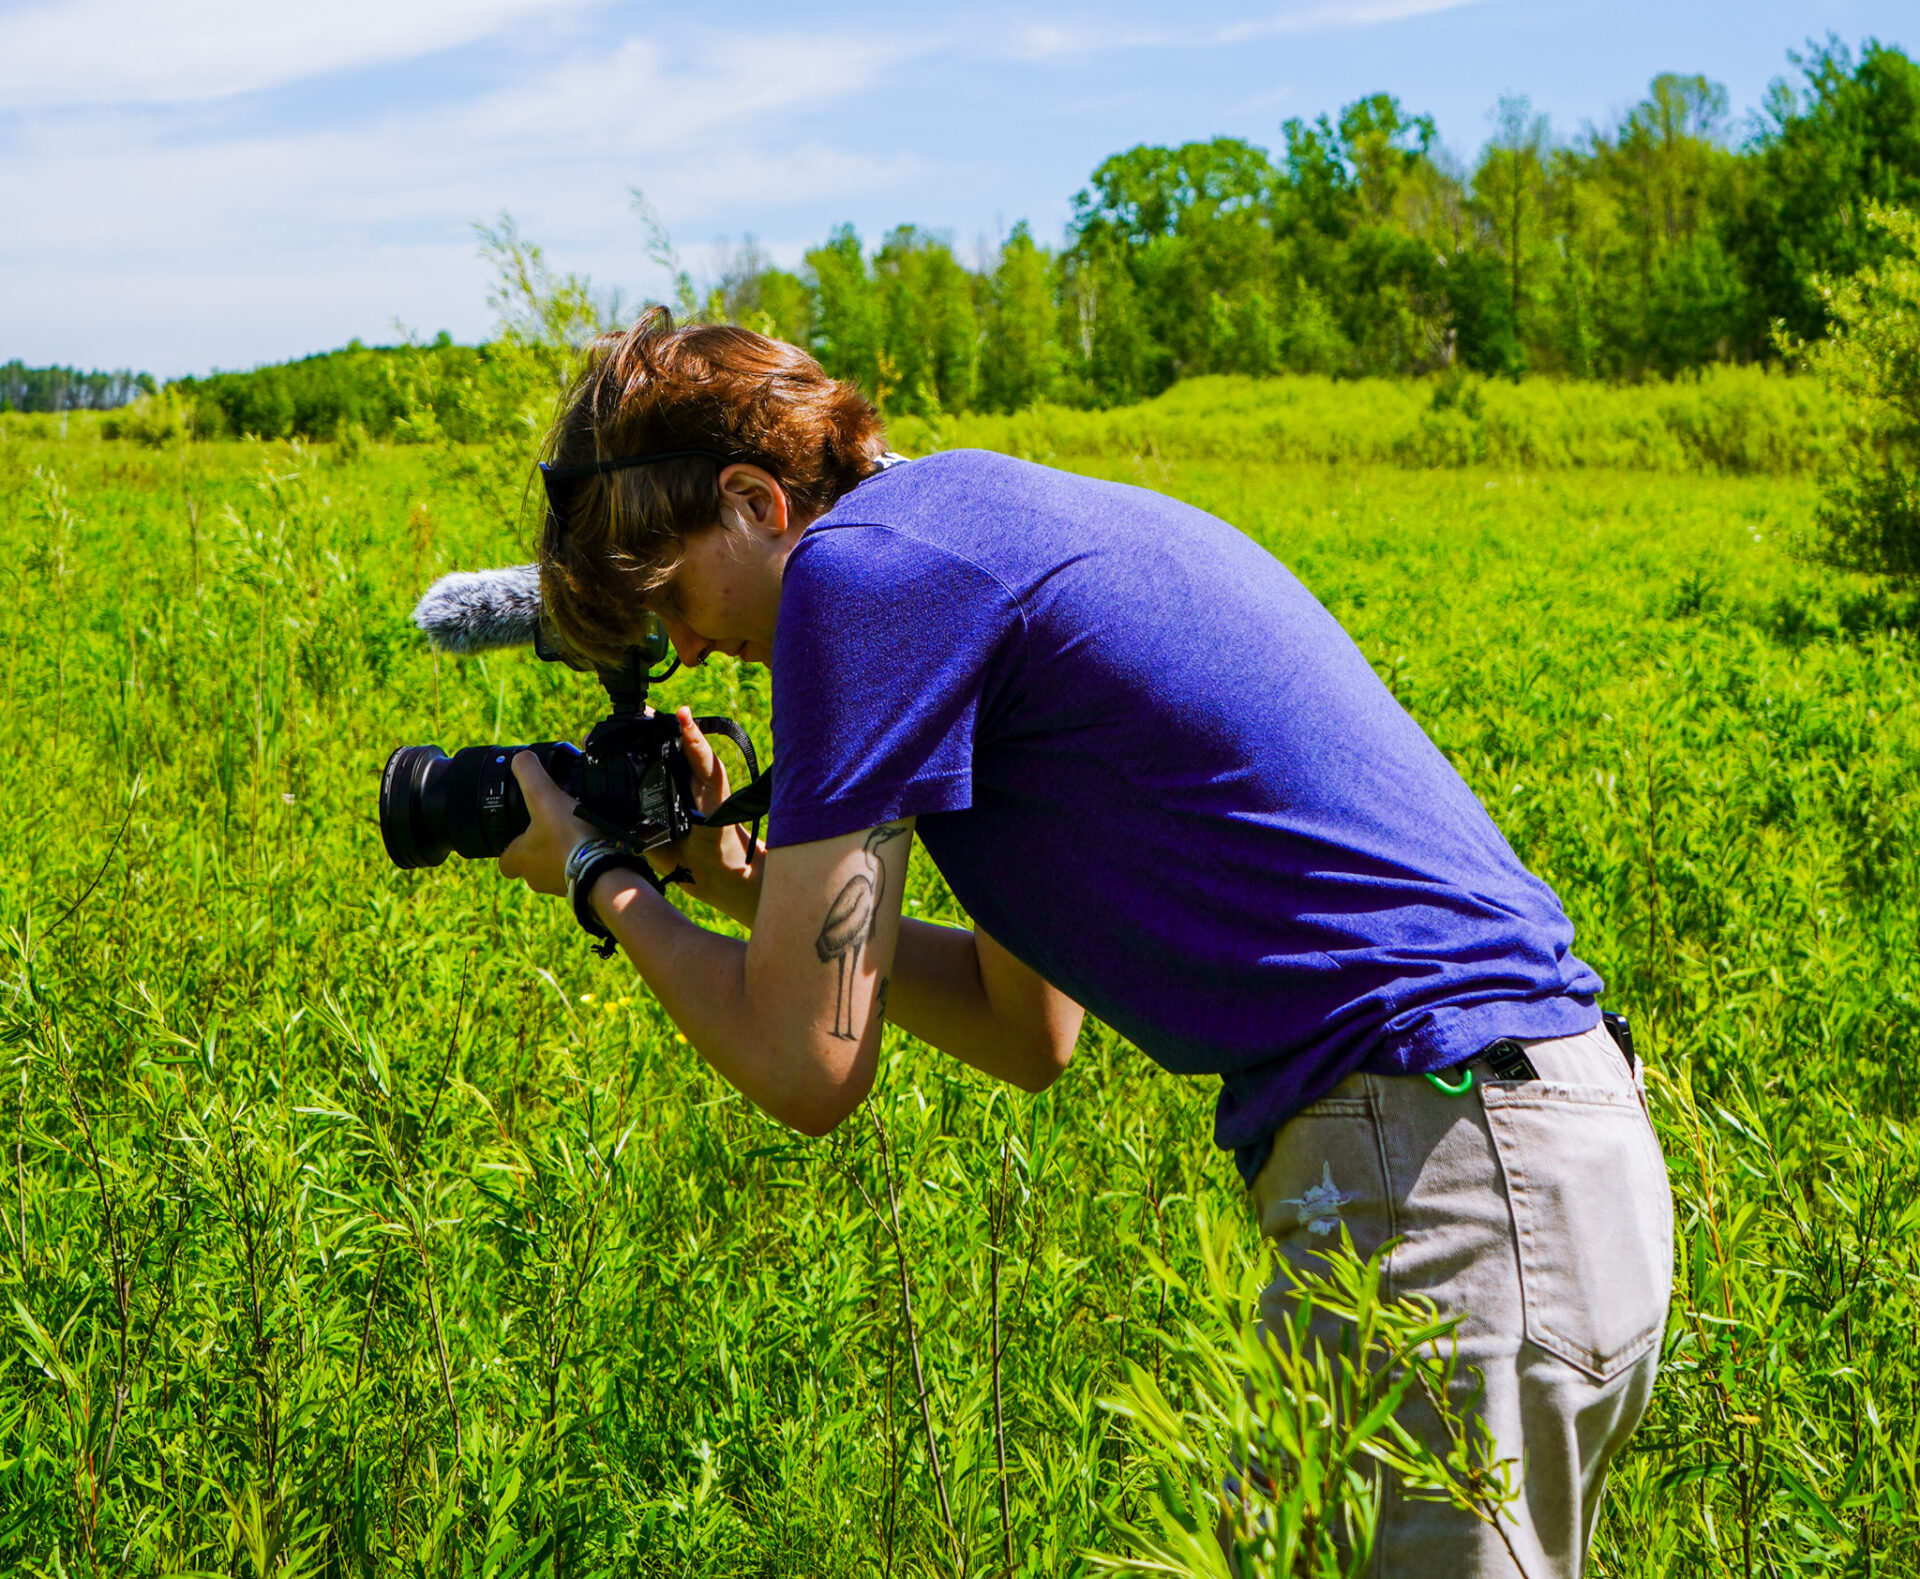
[
  {"x": 539, "y": 856},
  {"x": 718, "y": 858}
]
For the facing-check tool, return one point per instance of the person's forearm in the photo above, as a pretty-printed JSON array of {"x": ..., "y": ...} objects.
[
  {"x": 940, "y": 995},
  {"x": 934, "y": 966},
  {"x": 734, "y": 894},
  {"x": 700, "y": 979}
]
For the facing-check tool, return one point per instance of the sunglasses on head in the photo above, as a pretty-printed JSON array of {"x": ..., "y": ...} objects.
[{"x": 563, "y": 482}]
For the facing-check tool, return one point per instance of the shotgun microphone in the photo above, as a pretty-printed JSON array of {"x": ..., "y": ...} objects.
[{"x": 471, "y": 611}]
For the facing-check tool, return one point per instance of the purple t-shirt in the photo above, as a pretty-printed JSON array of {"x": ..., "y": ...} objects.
[{"x": 1158, "y": 772}]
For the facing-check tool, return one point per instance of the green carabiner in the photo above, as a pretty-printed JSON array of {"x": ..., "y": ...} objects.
[{"x": 1440, "y": 1085}]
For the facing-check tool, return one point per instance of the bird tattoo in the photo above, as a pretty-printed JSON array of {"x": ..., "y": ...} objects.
[{"x": 852, "y": 920}]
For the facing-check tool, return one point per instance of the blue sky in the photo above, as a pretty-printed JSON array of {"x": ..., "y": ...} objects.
[{"x": 188, "y": 184}]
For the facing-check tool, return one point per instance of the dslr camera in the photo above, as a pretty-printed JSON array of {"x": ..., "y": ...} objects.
[{"x": 630, "y": 777}]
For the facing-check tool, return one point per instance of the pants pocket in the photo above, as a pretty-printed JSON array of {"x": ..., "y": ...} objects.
[{"x": 1592, "y": 1220}]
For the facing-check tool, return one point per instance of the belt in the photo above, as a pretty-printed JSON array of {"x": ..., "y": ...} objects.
[{"x": 1507, "y": 1059}]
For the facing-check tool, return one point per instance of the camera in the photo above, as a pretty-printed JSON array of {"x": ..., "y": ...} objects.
[{"x": 630, "y": 777}]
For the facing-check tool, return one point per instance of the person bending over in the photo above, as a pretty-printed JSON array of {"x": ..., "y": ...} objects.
[{"x": 1170, "y": 791}]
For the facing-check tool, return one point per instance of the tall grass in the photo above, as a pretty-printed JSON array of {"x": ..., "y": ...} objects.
[
  {"x": 1738, "y": 421},
  {"x": 359, "y": 1221},
  {"x": 1743, "y": 421}
]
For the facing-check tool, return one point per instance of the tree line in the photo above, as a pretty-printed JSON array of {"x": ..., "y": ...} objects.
[
  {"x": 24, "y": 388},
  {"x": 1656, "y": 246},
  {"x": 377, "y": 389},
  {"x": 1359, "y": 247}
]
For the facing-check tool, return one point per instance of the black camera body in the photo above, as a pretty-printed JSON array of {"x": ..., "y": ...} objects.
[{"x": 630, "y": 777}]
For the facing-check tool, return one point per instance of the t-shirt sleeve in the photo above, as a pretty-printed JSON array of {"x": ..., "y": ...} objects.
[{"x": 883, "y": 658}]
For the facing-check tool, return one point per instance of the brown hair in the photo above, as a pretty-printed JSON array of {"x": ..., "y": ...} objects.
[{"x": 656, "y": 388}]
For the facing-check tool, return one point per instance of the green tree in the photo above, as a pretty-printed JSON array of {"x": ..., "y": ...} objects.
[
  {"x": 786, "y": 306},
  {"x": 24, "y": 388},
  {"x": 848, "y": 326},
  {"x": 752, "y": 293},
  {"x": 1187, "y": 224},
  {"x": 1365, "y": 217},
  {"x": 1385, "y": 150},
  {"x": 1396, "y": 315},
  {"x": 1019, "y": 356},
  {"x": 1479, "y": 299},
  {"x": 1572, "y": 342},
  {"x": 1510, "y": 191},
  {"x": 1696, "y": 306},
  {"x": 1848, "y": 138},
  {"x": 1870, "y": 518},
  {"x": 1660, "y": 187},
  {"x": 931, "y": 333},
  {"x": 1669, "y": 153},
  {"x": 1148, "y": 194},
  {"x": 1319, "y": 181},
  {"x": 1111, "y": 354}
]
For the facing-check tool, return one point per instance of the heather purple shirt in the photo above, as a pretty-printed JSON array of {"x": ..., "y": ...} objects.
[{"x": 1158, "y": 772}]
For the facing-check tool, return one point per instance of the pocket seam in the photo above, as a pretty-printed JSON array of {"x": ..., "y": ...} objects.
[{"x": 1549, "y": 1094}]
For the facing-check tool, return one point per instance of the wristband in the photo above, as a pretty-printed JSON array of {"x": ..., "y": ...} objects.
[{"x": 590, "y": 859}]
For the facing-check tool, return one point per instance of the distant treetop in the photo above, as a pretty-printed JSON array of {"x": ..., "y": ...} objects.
[{"x": 1652, "y": 248}]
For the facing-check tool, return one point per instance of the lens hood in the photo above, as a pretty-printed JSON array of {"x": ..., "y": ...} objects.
[{"x": 412, "y": 832}]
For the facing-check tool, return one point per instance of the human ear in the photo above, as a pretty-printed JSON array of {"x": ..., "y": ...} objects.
[{"x": 757, "y": 498}]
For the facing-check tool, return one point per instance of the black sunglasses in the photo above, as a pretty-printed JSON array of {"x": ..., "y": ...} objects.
[{"x": 562, "y": 482}]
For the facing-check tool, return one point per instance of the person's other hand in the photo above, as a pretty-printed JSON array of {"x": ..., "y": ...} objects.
[
  {"x": 715, "y": 856},
  {"x": 539, "y": 856}
]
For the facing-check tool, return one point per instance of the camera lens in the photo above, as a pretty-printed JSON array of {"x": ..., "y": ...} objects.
[
  {"x": 413, "y": 806},
  {"x": 433, "y": 805}
]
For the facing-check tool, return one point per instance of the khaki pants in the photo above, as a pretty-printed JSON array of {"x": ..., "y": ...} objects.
[{"x": 1539, "y": 1209}]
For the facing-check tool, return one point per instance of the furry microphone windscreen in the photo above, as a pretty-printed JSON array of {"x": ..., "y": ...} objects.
[{"x": 478, "y": 610}]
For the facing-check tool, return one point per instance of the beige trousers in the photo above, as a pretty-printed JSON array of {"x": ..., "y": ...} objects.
[{"x": 1541, "y": 1211}]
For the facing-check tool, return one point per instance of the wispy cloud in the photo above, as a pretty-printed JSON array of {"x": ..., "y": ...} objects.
[
  {"x": 89, "y": 52},
  {"x": 573, "y": 137},
  {"x": 228, "y": 234},
  {"x": 639, "y": 95},
  {"x": 1050, "y": 40},
  {"x": 1338, "y": 14}
]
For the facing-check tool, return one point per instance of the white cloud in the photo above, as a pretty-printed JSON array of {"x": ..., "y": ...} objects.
[
  {"x": 1338, "y": 14},
  {"x": 1041, "y": 41},
  {"x": 633, "y": 95},
  {"x": 270, "y": 241},
  {"x": 573, "y": 139},
  {"x": 81, "y": 52}
]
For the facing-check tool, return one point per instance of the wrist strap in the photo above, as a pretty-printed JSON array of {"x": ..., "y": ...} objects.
[{"x": 591, "y": 859}]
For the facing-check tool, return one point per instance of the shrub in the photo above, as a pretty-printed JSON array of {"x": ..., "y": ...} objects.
[
  {"x": 1321, "y": 1426},
  {"x": 1870, "y": 517},
  {"x": 153, "y": 420},
  {"x": 1735, "y": 420}
]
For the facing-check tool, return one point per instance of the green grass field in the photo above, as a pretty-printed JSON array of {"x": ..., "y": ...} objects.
[{"x": 354, "y": 1221}]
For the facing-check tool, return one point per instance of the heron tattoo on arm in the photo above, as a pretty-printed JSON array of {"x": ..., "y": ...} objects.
[{"x": 852, "y": 920}]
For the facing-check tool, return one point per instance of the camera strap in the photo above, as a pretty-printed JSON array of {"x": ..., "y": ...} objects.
[
  {"x": 727, "y": 729},
  {"x": 748, "y": 804},
  {"x": 751, "y": 801}
]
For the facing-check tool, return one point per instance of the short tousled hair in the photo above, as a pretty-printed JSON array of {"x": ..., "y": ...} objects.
[{"x": 655, "y": 388}]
